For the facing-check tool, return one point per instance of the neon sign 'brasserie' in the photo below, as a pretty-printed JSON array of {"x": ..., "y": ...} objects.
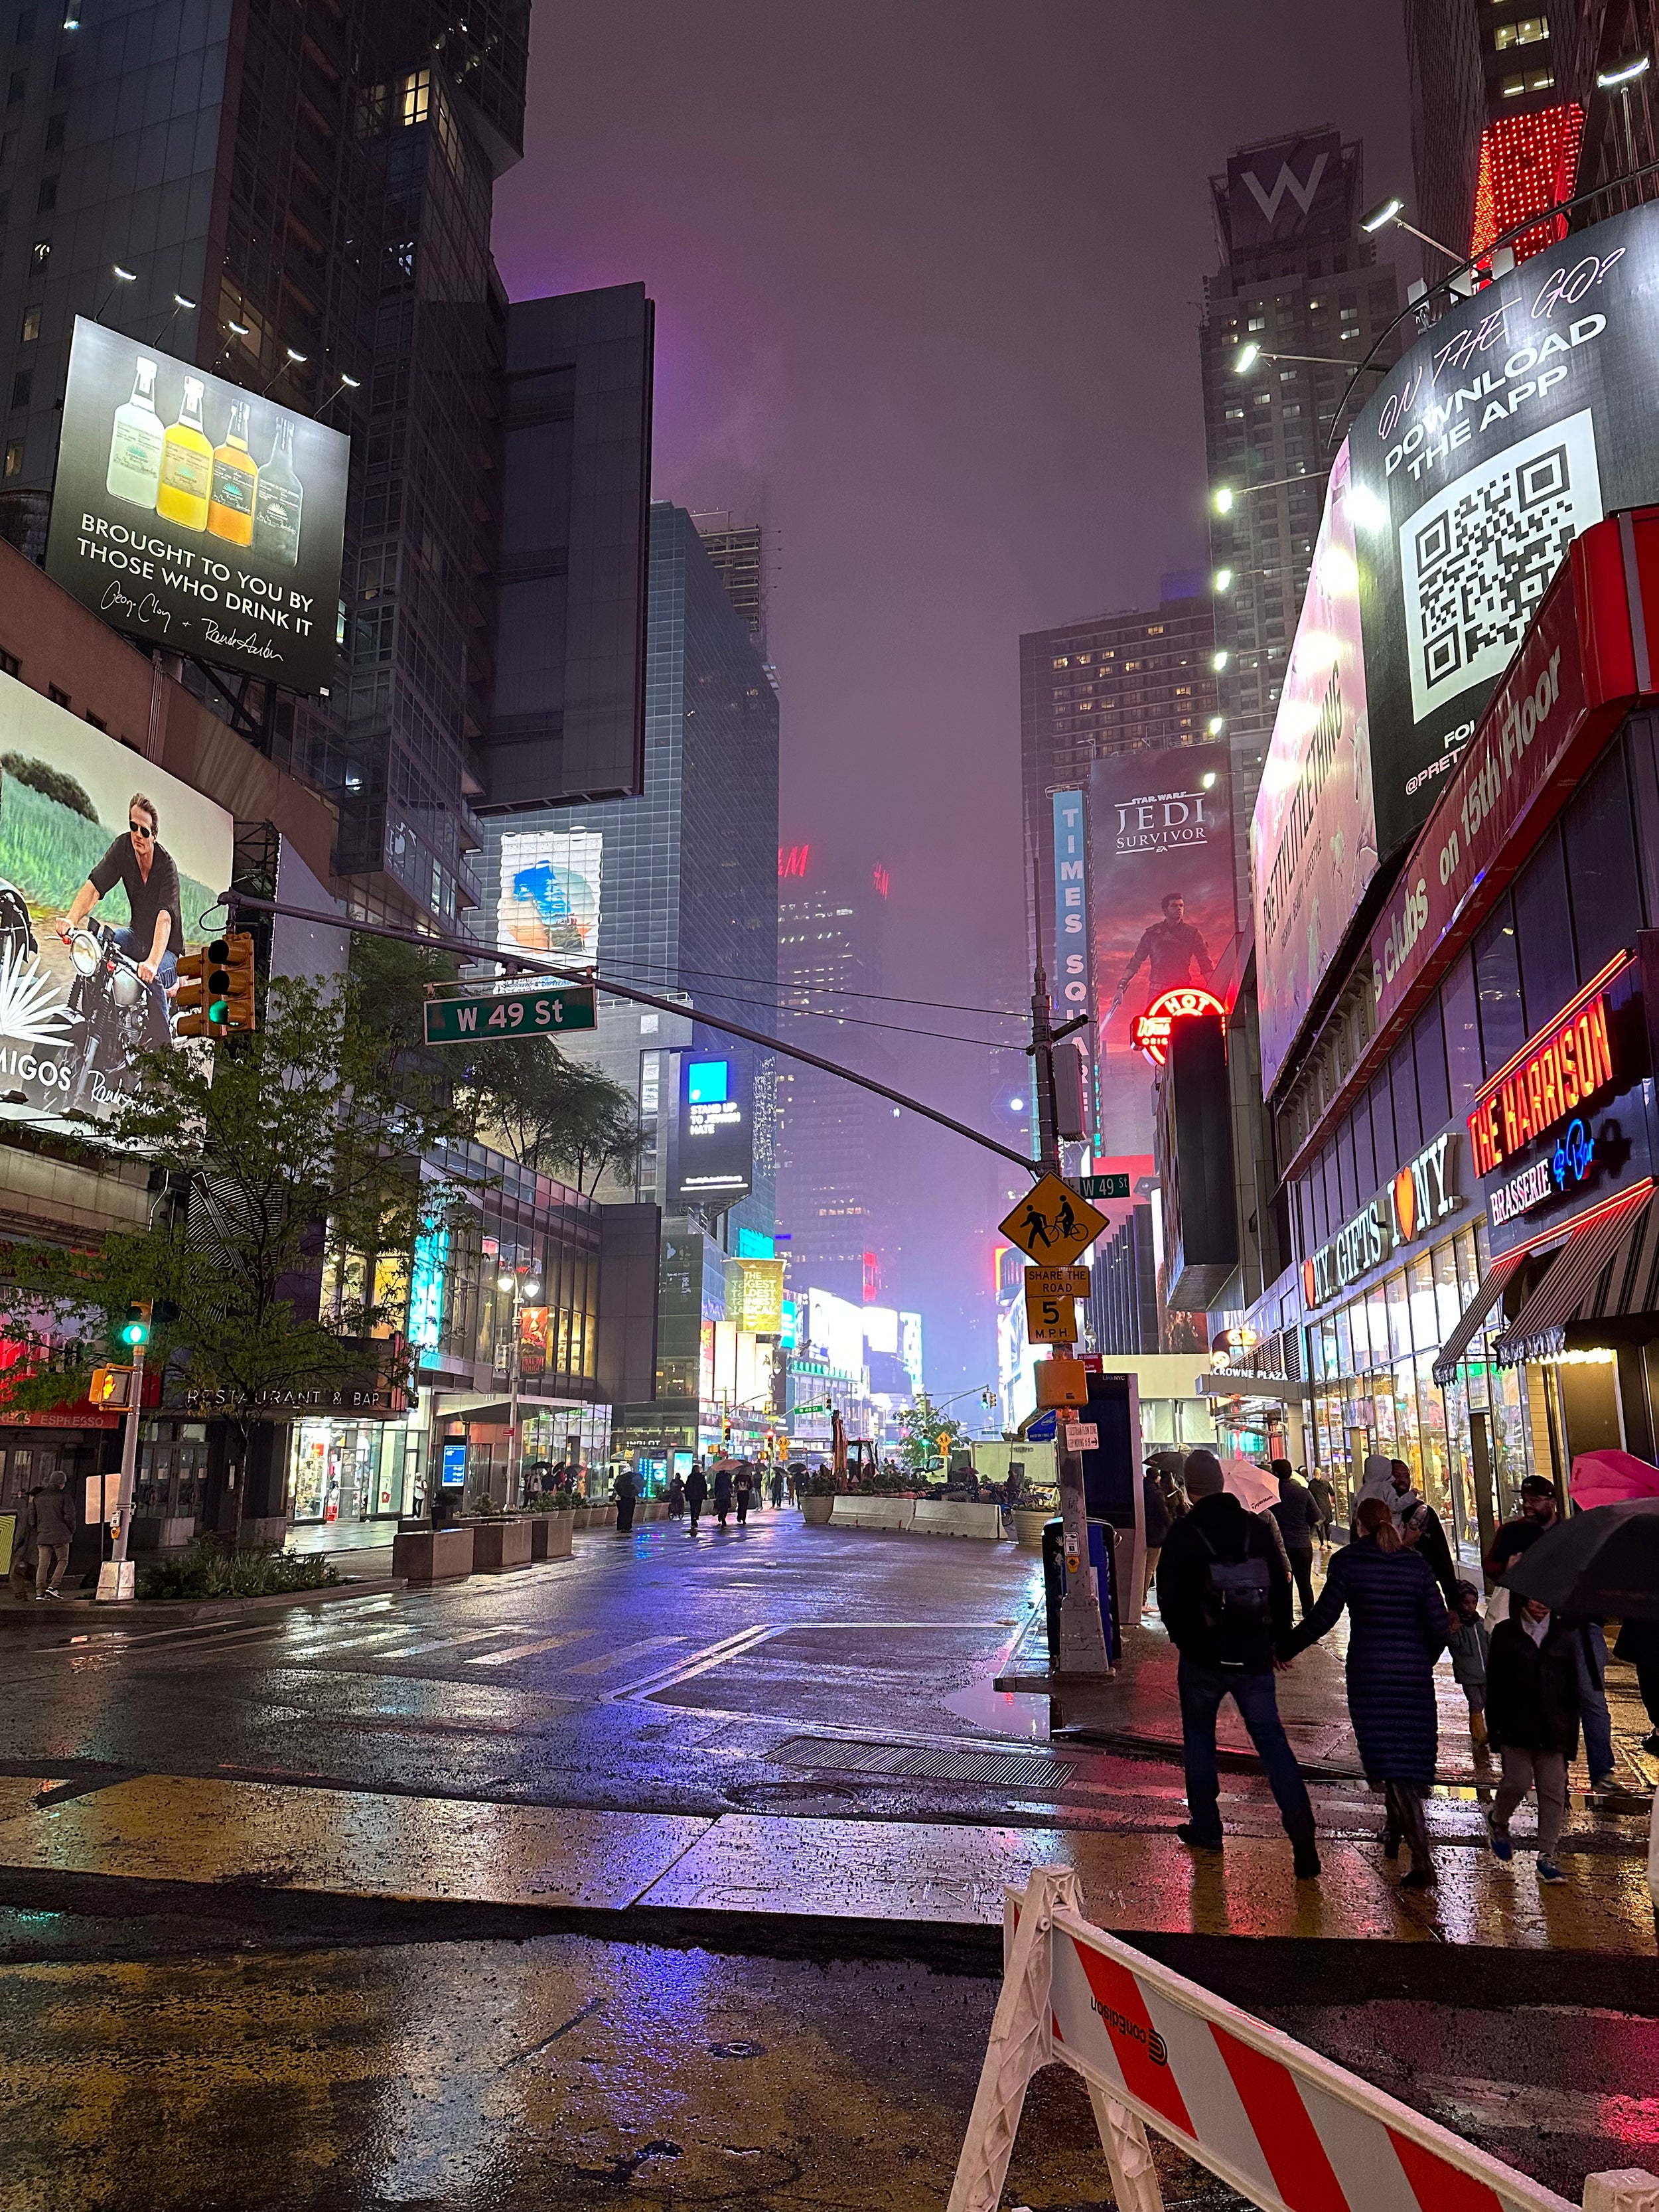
[{"x": 1571, "y": 1064}]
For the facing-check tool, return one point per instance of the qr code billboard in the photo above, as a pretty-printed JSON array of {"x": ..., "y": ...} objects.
[{"x": 1475, "y": 559}]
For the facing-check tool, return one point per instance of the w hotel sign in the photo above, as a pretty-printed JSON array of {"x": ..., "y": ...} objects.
[{"x": 1294, "y": 188}]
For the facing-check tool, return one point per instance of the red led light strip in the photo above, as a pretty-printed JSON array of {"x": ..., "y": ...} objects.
[{"x": 1527, "y": 162}]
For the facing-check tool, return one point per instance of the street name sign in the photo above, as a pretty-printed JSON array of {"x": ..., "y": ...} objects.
[
  {"x": 1101, "y": 1186},
  {"x": 1053, "y": 1224},
  {"x": 546, "y": 1010}
]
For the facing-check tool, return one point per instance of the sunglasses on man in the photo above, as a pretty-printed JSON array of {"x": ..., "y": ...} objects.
[{"x": 141, "y": 830}]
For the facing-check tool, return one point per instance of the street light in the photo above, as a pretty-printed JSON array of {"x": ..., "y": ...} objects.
[
  {"x": 294, "y": 360},
  {"x": 345, "y": 384},
  {"x": 118, "y": 275},
  {"x": 1623, "y": 73},
  {"x": 525, "y": 1288},
  {"x": 1248, "y": 353},
  {"x": 180, "y": 305},
  {"x": 1392, "y": 210}
]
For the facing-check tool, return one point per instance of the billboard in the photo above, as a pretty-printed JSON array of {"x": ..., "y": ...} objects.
[
  {"x": 549, "y": 894},
  {"x": 716, "y": 1133},
  {"x": 198, "y": 515},
  {"x": 1291, "y": 188},
  {"x": 1520, "y": 419},
  {"x": 1313, "y": 840},
  {"x": 92, "y": 915},
  {"x": 1163, "y": 908},
  {"x": 759, "y": 1287}
]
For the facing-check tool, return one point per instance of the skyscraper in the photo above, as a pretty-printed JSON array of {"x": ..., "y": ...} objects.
[
  {"x": 1298, "y": 294},
  {"x": 738, "y": 552},
  {"x": 301, "y": 202},
  {"x": 835, "y": 1142}
]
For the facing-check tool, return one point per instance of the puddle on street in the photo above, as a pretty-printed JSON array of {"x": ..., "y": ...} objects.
[{"x": 1006, "y": 1712}]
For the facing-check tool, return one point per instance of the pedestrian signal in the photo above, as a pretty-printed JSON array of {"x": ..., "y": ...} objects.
[
  {"x": 112, "y": 1387},
  {"x": 240, "y": 983}
]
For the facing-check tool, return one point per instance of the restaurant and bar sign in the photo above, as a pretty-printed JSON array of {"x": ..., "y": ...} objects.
[
  {"x": 1407, "y": 1207},
  {"x": 1566, "y": 1123}
]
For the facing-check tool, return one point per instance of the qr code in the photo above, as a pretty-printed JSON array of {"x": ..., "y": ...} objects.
[{"x": 1475, "y": 560}]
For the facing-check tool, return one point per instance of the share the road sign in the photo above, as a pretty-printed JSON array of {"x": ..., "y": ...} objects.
[
  {"x": 549, "y": 1010},
  {"x": 1053, "y": 1224}
]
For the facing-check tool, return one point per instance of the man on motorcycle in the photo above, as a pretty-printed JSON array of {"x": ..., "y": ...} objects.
[{"x": 146, "y": 871}]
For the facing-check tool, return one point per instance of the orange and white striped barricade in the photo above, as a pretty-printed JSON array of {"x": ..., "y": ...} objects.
[{"x": 1285, "y": 2128}]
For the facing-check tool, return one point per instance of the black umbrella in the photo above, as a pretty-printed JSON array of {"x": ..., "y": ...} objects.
[{"x": 1605, "y": 1561}]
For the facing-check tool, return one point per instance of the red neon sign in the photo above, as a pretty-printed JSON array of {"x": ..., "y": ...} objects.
[
  {"x": 1548, "y": 1079},
  {"x": 793, "y": 859},
  {"x": 883, "y": 881},
  {"x": 1528, "y": 163},
  {"x": 1153, "y": 1029}
]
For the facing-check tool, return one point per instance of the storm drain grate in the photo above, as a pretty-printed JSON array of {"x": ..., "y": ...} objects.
[{"x": 1014, "y": 1770}]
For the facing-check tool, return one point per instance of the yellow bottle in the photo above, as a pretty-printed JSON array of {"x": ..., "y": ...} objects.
[
  {"x": 236, "y": 473},
  {"x": 186, "y": 466}
]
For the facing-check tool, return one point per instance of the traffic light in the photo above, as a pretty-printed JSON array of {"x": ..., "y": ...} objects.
[
  {"x": 190, "y": 999},
  {"x": 135, "y": 1329},
  {"x": 238, "y": 1011}
]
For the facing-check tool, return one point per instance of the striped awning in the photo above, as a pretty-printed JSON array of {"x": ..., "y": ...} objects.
[
  {"x": 1487, "y": 1291},
  {"x": 1577, "y": 1279}
]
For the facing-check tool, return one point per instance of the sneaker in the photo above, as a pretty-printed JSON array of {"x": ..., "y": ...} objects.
[
  {"x": 1601, "y": 1783},
  {"x": 1195, "y": 1842},
  {"x": 1501, "y": 1848},
  {"x": 1548, "y": 1870},
  {"x": 1419, "y": 1878}
]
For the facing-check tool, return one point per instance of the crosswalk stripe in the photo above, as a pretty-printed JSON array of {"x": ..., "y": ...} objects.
[
  {"x": 527, "y": 1650},
  {"x": 608, "y": 1659}
]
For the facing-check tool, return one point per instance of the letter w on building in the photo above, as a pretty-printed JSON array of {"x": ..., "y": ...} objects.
[{"x": 1286, "y": 182}]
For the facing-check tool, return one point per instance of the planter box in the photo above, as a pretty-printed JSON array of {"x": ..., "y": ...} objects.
[
  {"x": 499, "y": 1544},
  {"x": 595, "y": 1516},
  {"x": 855, "y": 1512},
  {"x": 550, "y": 1536},
  {"x": 1029, "y": 1526},
  {"x": 940, "y": 1516},
  {"x": 432, "y": 1555},
  {"x": 815, "y": 1511}
]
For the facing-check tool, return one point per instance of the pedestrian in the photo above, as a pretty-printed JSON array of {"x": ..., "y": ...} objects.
[
  {"x": 24, "y": 1548},
  {"x": 1157, "y": 1528},
  {"x": 626, "y": 1493},
  {"x": 777, "y": 1489},
  {"x": 1377, "y": 1482},
  {"x": 1224, "y": 1595},
  {"x": 1397, "y": 1630},
  {"x": 1296, "y": 1516},
  {"x": 1419, "y": 1526},
  {"x": 722, "y": 1492},
  {"x": 1469, "y": 1642},
  {"x": 697, "y": 1490},
  {"x": 676, "y": 1497},
  {"x": 54, "y": 1531},
  {"x": 743, "y": 1484},
  {"x": 1540, "y": 1510},
  {"x": 1533, "y": 1698},
  {"x": 1638, "y": 1642},
  {"x": 1590, "y": 1659},
  {"x": 1324, "y": 1498}
]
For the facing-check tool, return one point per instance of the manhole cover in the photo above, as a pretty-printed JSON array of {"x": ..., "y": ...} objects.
[{"x": 1012, "y": 1770}]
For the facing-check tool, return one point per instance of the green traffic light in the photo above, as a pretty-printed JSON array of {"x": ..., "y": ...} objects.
[
  {"x": 219, "y": 1011},
  {"x": 136, "y": 1332}
]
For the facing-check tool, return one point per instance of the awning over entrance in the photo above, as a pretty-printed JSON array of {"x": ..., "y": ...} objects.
[
  {"x": 1577, "y": 1279},
  {"x": 1487, "y": 1291}
]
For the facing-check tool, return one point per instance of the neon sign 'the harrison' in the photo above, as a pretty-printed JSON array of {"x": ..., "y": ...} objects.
[{"x": 1572, "y": 1063}]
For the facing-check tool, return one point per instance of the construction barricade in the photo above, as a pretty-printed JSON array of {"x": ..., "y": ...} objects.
[{"x": 1285, "y": 2128}]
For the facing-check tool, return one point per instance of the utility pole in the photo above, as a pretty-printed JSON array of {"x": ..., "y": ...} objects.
[
  {"x": 1082, "y": 1632},
  {"x": 118, "y": 1575}
]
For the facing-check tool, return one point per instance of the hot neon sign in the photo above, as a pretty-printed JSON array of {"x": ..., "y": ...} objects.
[{"x": 1154, "y": 1029}]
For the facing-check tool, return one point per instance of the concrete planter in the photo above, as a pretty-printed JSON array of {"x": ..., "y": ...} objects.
[
  {"x": 550, "y": 1536},
  {"x": 815, "y": 1511},
  {"x": 499, "y": 1544},
  {"x": 432, "y": 1555},
  {"x": 1029, "y": 1528}
]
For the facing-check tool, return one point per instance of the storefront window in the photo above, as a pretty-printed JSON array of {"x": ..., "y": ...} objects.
[
  {"x": 1448, "y": 1296},
  {"x": 1383, "y": 1411},
  {"x": 1469, "y": 1265},
  {"x": 1359, "y": 1332},
  {"x": 1508, "y": 1428},
  {"x": 1460, "y": 1524},
  {"x": 1426, "y": 1325},
  {"x": 1345, "y": 1358},
  {"x": 1431, "y": 1432},
  {"x": 1400, "y": 1325},
  {"x": 1408, "y": 1442}
]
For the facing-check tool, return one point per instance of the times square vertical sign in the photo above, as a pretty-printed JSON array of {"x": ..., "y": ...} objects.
[{"x": 1073, "y": 993}]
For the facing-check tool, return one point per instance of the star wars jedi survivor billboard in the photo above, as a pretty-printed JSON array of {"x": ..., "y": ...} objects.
[
  {"x": 198, "y": 515},
  {"x": 1520, "y": 417}
]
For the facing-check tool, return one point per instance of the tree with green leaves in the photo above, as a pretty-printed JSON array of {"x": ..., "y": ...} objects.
[
  {"x": 921, "y": 1424},
  {"x": 278, "y": 1160}
]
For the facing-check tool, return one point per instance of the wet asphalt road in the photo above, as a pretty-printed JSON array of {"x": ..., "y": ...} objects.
[{"x": 198, "y": 2046}]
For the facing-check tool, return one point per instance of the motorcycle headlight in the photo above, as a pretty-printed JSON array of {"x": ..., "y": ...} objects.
[{"x": 83, "y": 953}]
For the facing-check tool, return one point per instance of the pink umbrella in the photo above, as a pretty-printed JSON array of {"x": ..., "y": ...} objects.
[
  {"x": 1608, "y": 1478},
  {"x": 1254, "y": 1489}
]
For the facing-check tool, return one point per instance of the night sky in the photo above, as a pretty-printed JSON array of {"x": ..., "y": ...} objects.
[{"x": 928, "y": 275}]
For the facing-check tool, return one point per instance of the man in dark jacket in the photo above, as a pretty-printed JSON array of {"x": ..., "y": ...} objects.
[
  {"x": 1297, "y": 1517},
  {"x": 1532, "y": 1709},
  {"x": 696, "y": 1489},
  {"x": 54, "y": 1531},
  {"x": 1224, "y": 1595}
]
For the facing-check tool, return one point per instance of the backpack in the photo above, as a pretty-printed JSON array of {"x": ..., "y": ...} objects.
[{"x": 1235, "y": 1593}]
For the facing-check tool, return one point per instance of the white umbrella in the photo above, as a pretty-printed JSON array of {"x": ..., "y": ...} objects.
[{"x": 1254, "y": 1489}]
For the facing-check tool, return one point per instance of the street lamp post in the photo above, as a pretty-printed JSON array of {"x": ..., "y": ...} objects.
[{"x": 522, "y": 1287}]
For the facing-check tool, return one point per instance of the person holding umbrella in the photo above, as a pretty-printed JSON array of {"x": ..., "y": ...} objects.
[{"x": 1602, "y": 1564}]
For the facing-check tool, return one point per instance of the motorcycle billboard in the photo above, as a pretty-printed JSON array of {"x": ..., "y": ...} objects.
[
  {"x": 200, "y": 516},
  {"x": 107, "y": 866}
]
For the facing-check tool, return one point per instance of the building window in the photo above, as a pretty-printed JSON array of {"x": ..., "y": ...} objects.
[
  {"x": 14, "y": 468},
  {"x": 64, "y": 72},
  {"x": 39, "y": 253},
  {"x": 47, "y": 199},
  {"x": 55, "y": 132},
  {"x": 31, "y": 329},
  {"x": 19, "y": 388},
  {"x": 17, "y": 88},
  {"x": 98, "y": 722},
  {"x": 1532, "y": 81},
  {"x": 58, "y": 698},
  {"x": 1526, "y": 31},
  {"x": 26, "y": 27}
]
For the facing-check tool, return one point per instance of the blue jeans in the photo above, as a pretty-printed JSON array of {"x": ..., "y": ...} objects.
[
  {"x": 1593, "y": 1714},
  {"x": 166, "y": 970},
  {"x": 1202, "y": 1689}
]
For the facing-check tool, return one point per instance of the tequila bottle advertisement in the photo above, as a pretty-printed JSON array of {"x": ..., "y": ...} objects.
[
  {"x": 199, "y": 515},
  {"x": 107, "y": 867}
]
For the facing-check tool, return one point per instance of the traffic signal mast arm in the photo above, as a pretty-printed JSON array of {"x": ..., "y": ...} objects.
[{"x": 514, "y": 962}]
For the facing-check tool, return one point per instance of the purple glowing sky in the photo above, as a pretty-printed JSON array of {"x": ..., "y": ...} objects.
[{"x": 927, "y": 279}]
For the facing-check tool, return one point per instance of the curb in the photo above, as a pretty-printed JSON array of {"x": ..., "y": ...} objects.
[{"x": 188, "y": 1612}]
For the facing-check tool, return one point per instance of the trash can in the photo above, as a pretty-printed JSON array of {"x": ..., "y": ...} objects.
[{"x": 1103, "y": 1551}]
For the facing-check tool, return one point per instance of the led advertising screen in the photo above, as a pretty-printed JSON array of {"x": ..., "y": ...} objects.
[
  {"x": 549, "y": 895},
  {"x": 1313, "y": 840},
  {"x": 1163, "y": 909},
  {"x": 715, "y": 1132},
  {"x": 198, "y": 515},
  {"x": 107, "y": 866}
]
